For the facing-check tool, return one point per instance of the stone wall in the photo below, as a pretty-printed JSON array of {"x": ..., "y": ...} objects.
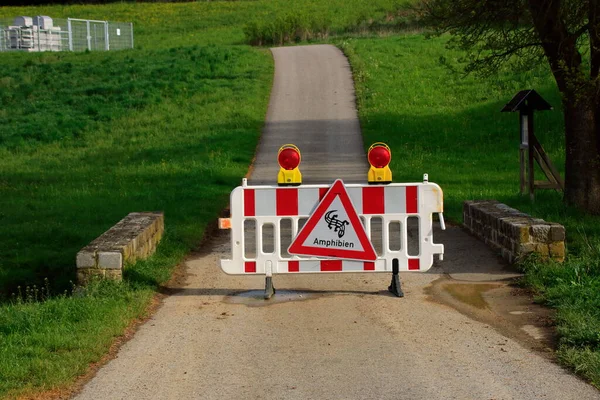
[
  {"x": 134, "y": 237},
  {"x": 513, "y": 233}
]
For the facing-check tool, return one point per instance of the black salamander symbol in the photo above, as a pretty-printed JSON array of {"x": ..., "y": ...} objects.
[{"x": 337, "y": 225}]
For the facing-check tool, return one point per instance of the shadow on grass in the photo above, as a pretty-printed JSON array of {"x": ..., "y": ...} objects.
[
  {"x": 55, "y": 211},
  {"x": 473, "y": 153}
]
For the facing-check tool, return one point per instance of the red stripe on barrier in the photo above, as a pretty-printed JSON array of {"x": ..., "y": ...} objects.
[
  {"x": 249, "y": 209},
  {"x": 373, "y": 200},
  {"x": 412, "y": 200},
  {"x": 293, "y": 266},
  {"x": 369, "y": 266},
  {"x": 287, "y": 202},
  {"x": 322, "y": 192},
  {"x": 250, "y": 266},
  {"x": 331, "y": 265},
  {"x": 414, "y": 264}
]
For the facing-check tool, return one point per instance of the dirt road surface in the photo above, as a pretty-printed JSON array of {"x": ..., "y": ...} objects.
[{"x": 461, "y": 332}]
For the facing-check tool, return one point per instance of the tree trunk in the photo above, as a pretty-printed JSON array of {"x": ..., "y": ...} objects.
[
  {"x": 580, "y": 102},
  {"x": 582, "y": 175}
]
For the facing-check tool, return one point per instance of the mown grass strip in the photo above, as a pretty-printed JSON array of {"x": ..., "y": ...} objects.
[
  {"x": 38, "y": 352},
  {"x": 450, "y": 126}
]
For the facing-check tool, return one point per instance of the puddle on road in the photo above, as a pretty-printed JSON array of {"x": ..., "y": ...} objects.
[
  {"x": 510, "y": 310},
  {"x": 469, "y": 293},
  {"x": 536, "y": 332},
  {"x": 255, "y": 298}
]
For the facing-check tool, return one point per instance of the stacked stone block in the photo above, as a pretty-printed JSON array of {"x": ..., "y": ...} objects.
[
  {"x": 134, "y": 237},
  {"x": 513, "y": 233}
]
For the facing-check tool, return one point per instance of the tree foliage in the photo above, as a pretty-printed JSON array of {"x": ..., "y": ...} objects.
[
  {"x": 494, "y": 32},
  {"x": 564, "y": 33}
]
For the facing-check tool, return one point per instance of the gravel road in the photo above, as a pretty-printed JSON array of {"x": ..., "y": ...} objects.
[{"x": 332, "y": 336}]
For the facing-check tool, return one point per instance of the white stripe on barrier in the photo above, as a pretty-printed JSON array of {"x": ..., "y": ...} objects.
[
  {"x": 395, "y": 200},
  {"x": 265, "y": 202},
  {"x": 355, "y": 195}
]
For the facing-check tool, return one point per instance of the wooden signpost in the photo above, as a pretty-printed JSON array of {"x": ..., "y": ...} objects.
[{"x": 526, "y": 102}]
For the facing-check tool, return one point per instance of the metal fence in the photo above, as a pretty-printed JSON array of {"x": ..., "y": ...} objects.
[{"x": 71, "y": 34}]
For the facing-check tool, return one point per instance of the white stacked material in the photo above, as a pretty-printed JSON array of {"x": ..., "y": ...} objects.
[
  {"x": 42, "y": 33},
  {"x": 43, "y": 21},
  {"x": 34, "y": 34},
  {"x": 23, "y": 21}
]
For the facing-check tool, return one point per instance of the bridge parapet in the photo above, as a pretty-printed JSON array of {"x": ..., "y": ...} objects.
[
  {"x": 134, "y": 237},
  {"x": 512, "y": 232}
]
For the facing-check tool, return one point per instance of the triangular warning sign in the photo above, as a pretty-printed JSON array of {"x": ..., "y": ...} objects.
[{"x": 334, "y": 230}]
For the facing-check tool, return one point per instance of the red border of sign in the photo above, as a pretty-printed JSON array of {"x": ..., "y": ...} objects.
[{"x": 337, "y": 189}]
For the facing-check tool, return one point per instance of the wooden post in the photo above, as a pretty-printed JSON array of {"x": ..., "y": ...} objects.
[
  {"x": 524, "y": 151},
  {"x": 527, "y": 102},
  {"x": 554, "y": 179},
  {"x": 530, "y": 156},
  {"x": 522, "y": 173}
]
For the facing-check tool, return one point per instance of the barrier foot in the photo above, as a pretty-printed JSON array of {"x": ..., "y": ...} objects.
[
  {"x": 395, "y": 287},
  {"x": 269, "y": 289}
]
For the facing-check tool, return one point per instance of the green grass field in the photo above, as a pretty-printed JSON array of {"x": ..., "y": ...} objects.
[{"x": 450, "y": 126}]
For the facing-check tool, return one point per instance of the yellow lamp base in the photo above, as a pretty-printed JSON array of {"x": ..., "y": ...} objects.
[
  {"x": 287, "y": 177},
  {"x": 379, "y": 175}
]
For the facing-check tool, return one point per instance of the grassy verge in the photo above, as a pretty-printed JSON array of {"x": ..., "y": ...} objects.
[
  {"x": 451, "y": 127},
  {"x": 39, "y": 353}
]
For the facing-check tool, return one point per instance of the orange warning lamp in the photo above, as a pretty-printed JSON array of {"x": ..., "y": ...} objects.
[
  {"x": 379, "y": 156},
  {"x": 289, "y": 158}
]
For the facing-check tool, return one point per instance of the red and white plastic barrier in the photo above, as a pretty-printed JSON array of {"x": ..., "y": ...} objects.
[{"x": 393, "y": 203}]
